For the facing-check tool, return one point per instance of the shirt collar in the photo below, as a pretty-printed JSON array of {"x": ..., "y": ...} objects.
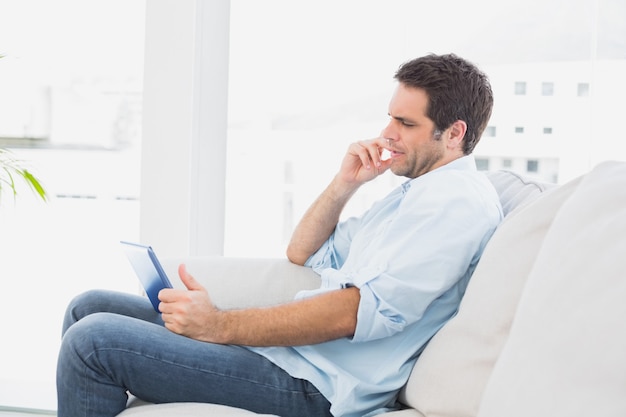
[{"x": 464, "y": 163}]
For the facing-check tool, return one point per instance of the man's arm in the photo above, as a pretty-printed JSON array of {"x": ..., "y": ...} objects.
[
  {"x": 361, "y": 163},
  {"x": 314, "y": 320},
  {"x": 319, "y": 221},
  {"x": 328, "y": 316}
]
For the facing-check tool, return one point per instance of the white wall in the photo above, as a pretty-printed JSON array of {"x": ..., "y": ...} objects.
[{"x": 184, "y": 126}]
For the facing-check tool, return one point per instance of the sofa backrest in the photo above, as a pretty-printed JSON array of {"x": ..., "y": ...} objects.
[{"x": 516, "y": 190}]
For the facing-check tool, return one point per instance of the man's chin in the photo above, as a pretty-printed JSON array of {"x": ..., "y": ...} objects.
[{"x": 399, "y": 170}]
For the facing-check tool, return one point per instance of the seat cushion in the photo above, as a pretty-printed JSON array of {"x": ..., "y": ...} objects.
[
  {"x": 566, "y": 353},
  {"x": 452, "y": 372},
  {"x": 186, "y": 410}
]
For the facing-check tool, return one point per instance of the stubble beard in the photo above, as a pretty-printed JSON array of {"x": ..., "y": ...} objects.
[{"x": 415, "y": 165}]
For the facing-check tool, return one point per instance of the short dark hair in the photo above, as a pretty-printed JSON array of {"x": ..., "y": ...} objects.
[{"x": 456, "y": 89}]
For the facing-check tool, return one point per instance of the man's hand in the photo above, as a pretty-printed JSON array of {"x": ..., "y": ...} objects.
[
  {"x": 190, "y": 312},
  {"x": 363, "y": 161}
]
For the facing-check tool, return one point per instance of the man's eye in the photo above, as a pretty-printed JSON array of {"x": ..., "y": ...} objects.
[{"x": 402, "y": 121}]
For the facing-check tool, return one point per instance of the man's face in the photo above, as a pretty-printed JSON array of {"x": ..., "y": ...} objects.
[{"x": 414, "y": 149}]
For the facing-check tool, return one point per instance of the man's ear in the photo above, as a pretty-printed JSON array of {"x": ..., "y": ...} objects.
[{"x": 457, "y": 133}]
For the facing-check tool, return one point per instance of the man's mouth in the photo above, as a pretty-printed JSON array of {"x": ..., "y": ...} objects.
[
  {"x": 394, "y": 153},
  {"x": 390, "y": 154}
]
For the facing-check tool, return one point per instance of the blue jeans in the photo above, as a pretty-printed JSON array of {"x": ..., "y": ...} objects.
[{"x": 115, "y": 343}]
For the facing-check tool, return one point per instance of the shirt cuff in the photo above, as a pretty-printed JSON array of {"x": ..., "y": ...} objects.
[{"x": 374, "y": 320}]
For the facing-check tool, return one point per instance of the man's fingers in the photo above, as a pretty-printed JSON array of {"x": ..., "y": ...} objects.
[
  {"x": 369, "y": 152},
  {"x": 363, "y": 154}
]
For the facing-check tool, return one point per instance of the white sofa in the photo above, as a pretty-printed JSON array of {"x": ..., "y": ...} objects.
[{"x": 541, "y": 330}]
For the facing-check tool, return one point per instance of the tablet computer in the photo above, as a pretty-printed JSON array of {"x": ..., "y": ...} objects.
[{"x": 148, "y": 270}]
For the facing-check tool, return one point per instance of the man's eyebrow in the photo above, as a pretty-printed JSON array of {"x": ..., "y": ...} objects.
[{"x": 402, "y": 119}]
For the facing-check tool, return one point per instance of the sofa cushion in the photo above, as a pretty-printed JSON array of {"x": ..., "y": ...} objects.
[
  {"x": 245, "y": 282},
  {"x": 450, "y": 375},
  {"x": 566, "y": 353},
  {"x": 186, "y": 410}
]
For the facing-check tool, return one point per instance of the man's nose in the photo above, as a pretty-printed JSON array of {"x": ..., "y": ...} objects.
[
  {"x": 388, "y": 134},
  {"x": 385, "y": 133}
]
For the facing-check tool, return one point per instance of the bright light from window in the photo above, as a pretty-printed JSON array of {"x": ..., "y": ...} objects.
[{"x": 70, "y": 107}]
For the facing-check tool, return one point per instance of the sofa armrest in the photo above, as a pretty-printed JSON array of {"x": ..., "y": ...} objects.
[{"x": 244, "y": 282}]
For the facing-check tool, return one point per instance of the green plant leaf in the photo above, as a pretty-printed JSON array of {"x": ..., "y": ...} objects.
[
  {"x": 35, "y": 184},
  {"x": 10, "y": 181},
  {"x": 10, "y": 168}
]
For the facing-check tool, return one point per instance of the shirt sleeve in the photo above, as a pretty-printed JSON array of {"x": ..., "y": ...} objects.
[
  {"x": 333, "y": 253},
  {"x": 432, "y": 244}
]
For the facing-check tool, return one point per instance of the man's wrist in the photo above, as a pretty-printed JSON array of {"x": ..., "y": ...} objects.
[
  {"x": 340, "y": 190},
  {"x": 221, "y": 330}
]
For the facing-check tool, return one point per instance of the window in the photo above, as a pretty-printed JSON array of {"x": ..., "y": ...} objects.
[
  {"x": 321, "y": 95},
  {"x": 71, "y": 108},
  {"x": 547, "y": 130},
  {"x": 532, "y": 166},
  {"x": 66, "y": 91},
  {"x": 547, "y": 89},
  {"x": 482, "y": 164},
  {"x": 583, "y": 90},
  {"x": 507, "y": 163}
]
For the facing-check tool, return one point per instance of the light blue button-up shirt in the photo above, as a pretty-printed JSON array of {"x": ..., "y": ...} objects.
[{"x": 411, "y": 255}]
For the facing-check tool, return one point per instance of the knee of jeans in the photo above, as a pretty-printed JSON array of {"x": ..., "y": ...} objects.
[
  {"x": 88, "y": 334},
  {"x": 82, "y": 342},
  {"x": 79, "y": 307}
]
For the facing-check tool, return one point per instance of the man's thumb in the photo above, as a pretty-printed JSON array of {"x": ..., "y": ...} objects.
[{"x": 189, "y": 281}]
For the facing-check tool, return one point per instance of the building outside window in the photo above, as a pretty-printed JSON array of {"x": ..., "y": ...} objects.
[
  {"x": 547, "y": 88},
  {"x": 482, "y": 164},
  {"x": 583, "y": 90}
]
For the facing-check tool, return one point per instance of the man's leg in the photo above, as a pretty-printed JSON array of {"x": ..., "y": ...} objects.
[
  {"x": 103, "y": 301},
  {"x": 103, "y": 355}
]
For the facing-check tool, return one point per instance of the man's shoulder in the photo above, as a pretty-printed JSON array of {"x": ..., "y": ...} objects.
[
  {"x": 454, "y": 180},
  {"x": 460, "y": 187}
]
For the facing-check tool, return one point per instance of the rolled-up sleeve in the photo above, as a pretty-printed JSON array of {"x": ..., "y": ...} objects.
[{"x": 335, "y": 250}]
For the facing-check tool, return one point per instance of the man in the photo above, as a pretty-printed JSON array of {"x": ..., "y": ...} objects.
[{"x": 389, "y": 280}]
